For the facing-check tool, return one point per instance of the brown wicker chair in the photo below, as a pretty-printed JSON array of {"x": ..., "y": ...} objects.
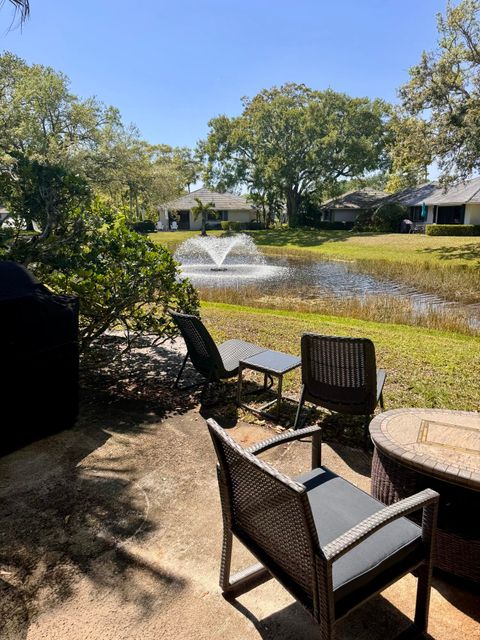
[
  {"x": 331, "y": 545},
  {"x": 340, "y": 374},
  {"x": 214, "y": 363}
]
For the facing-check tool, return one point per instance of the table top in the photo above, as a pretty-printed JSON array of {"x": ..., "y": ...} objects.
[
  {"x": 272, "y": 362},
  {"x": 437, "y": 442}
]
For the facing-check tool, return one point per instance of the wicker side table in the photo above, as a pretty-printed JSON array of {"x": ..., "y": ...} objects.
[{"x": 440, "y": 449}]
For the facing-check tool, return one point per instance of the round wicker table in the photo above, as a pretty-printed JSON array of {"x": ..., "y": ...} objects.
[{"x": 440, "y": 449}]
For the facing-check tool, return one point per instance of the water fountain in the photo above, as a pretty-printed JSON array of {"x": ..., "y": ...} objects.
[{"x": 213, "y": 260}]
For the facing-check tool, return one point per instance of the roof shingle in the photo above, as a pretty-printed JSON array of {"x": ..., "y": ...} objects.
[{"x": 222, "y": 201}]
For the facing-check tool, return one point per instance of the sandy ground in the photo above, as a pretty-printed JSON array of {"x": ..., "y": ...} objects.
[{"x": 112, "y": 531}]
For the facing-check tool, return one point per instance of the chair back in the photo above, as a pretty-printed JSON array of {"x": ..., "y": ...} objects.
[
  {"x": 201, "y": 347},
  {"x": 269, "y": 513},
  {"x": 340, "y": 374}
]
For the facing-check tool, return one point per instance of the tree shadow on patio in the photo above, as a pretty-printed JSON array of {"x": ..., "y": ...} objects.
[{"x": 79, "y": 503}]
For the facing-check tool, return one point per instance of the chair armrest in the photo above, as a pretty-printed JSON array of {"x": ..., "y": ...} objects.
[
  {"x": 348, "y": 540},
  {"x": 288, "y": 436}
]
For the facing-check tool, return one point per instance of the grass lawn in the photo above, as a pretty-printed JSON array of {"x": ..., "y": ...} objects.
[
  {"x": 425, "y": 368},
  {"x": 396, "y": 247}
]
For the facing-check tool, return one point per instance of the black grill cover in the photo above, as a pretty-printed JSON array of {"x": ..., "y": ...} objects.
[{"x": 38, "y": 358}]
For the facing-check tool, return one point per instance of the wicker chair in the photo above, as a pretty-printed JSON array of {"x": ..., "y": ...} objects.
[
  {"x": 331, "y": 545},
  {"x": 340, "y": 374},
  {"x": 214, "y": 363}
]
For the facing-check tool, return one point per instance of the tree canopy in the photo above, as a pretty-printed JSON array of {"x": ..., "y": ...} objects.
[
  {"x": 292, "y": 141},
  {"x": 42, "y": 121},
  {"x": 71, "y": 175},
  {"x": 440, "y": 116}
]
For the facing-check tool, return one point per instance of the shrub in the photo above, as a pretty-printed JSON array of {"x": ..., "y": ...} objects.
[
  {"x": 122, "y": 279},
  {"x": 255, "y": 226},
  {"x": 334, "y": 226},
  {"x": 231, "y": 225},
  {"x": 452, "y": 230},
  {"x": 212, "y": 226},
  {"x": 388, "y": 217},
  {"x": 143, "y": 226}
]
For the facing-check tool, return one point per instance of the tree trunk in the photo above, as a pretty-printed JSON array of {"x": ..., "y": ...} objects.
[
  {"x": 130, "y": 194},
  {"x": 293, "y": 205},
  {"x": 204, "y": 223}
]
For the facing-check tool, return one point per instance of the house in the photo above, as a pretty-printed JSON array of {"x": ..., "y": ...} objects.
[
  {"x": 348, "y": 206},
  {"x": 459, "y": 204},
  {"x": 3, "y": 214},
  {"x": 228, "y": 205}
]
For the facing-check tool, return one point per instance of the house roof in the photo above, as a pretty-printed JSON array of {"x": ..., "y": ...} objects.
[
  {"x": 433, "y": 193},
  {"x": 359, "y": 199},
  {"x": 222, "y": 201},
  {"x": 414, "y": 196},
  {"x": 462, "y": 193}
]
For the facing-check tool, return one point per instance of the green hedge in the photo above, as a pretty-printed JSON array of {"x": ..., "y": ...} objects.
[
  {"x": 235, "y": 225},
  {"x": 143, "y": 226},
  {"x": 347, "y": 225},
  {"x": 452, "y": 230}
]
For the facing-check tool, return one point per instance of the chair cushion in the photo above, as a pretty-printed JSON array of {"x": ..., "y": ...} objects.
[
  {"x": 232, "y": 351},
  {"x": 337, "y": 505}
]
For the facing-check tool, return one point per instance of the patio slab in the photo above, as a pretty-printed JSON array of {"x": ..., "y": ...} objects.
[{"x": 112, "y": 530}]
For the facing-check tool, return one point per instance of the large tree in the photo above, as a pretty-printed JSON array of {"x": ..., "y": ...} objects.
[
  {"x": 42, "y": 121},
  {"x": 441, "y": 101},
  {"x": 294, "y": 140}
]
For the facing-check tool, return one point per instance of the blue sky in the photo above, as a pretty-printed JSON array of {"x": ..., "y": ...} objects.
[{"x": 171, "y": 66}]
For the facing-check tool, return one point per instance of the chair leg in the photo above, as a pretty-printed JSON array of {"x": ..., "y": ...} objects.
[
  {"x": 181, "y": 371},
  {"x": 226, "y": 561},
  {"x": 299, "y": 409},
  {"x": 243, "y": 581},
  {"x": 382, "y": 406},
  {"x": 423, "y": 597},
  {"x": 366, "y": 433}
]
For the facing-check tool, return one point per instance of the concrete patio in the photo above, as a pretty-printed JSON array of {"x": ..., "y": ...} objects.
[{"x": 112, "y": 531}]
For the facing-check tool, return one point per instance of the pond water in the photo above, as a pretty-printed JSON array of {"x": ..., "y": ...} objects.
[{"x": 309, "y": 280}]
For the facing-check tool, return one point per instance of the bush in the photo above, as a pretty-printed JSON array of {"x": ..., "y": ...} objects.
[
  {"x": 231, "y": 225},
  {"x": 388, "y": 217},
  {"x": 212, "y": 226},
  {"x": 143, "y": 226},
  {"x": 122, "y": 279},
  {"x": 255, "y": 226},
  {"x": 452, "y": 230},
  {"x": 334, "y": 226}
]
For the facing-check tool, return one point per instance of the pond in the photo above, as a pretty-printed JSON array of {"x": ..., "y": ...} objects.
[{"x": 245, "y": 268}]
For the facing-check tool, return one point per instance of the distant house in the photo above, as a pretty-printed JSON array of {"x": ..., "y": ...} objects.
[
  {"x": 458, "y": 205},
  {"x": 347, "y": 207},
  {"x": 3, "y": 214},
  {"x": 228, "y": 205}
]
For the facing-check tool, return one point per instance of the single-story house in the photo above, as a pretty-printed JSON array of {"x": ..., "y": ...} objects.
[
  {"x": 459, "y": 204},
  {"x": 348, "y": 206},
  {"x": 228, "y": 205}
]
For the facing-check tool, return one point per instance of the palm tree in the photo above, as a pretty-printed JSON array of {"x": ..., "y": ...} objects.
[
  {"x": 204, "y": 210},
  {"x": 22, "y": 7}
]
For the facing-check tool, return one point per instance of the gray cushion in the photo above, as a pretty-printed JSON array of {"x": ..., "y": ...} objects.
[{"x": 337, "y": 505}]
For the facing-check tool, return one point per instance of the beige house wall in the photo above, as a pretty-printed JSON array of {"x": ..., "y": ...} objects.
[{"x": 472, "y": 213}]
